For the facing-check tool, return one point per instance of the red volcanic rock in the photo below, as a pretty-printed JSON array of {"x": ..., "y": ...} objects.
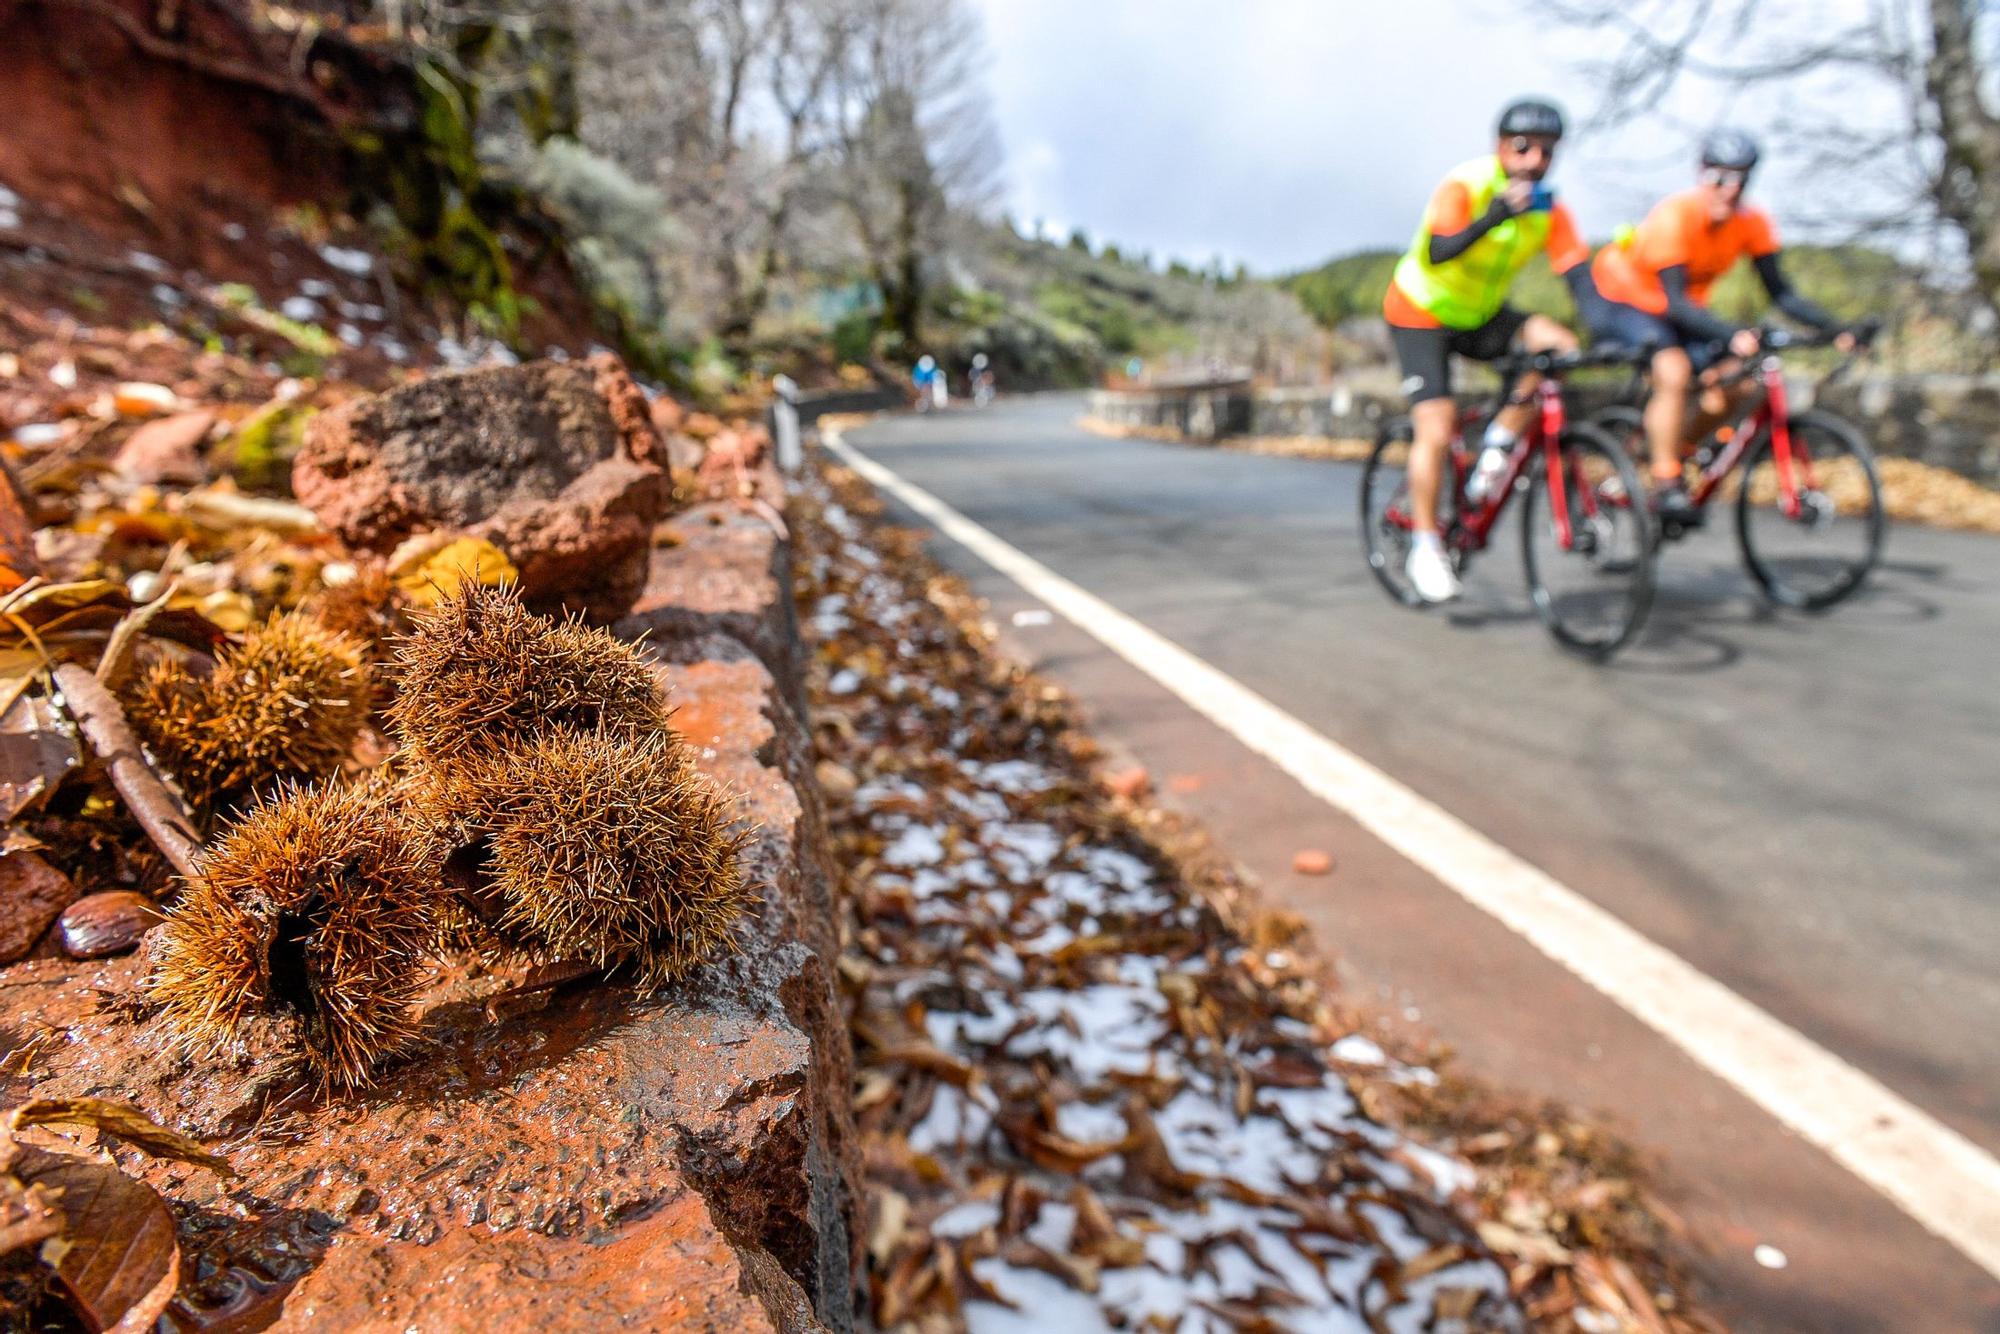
[
  {"x": 592, "y": 1157},
  {"x": 555, "y": 463},
  {"x": 1131, "y": 783},
  {"x": 32, "y": 893},
  {"x": 728, "y": 464},
  {"x": 671, "y": 1270},
  {"x": 1311, "y": 861}
]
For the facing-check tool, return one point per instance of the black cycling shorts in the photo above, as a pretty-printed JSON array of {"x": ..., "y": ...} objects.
[
  {"x": 1617, "y": 322},
  {"x": 1425, "y": 354}
]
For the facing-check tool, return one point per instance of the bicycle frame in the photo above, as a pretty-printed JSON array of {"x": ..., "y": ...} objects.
[
  {"x": 1772, "y": 413},
  {"x": 1544, "y": 432}
]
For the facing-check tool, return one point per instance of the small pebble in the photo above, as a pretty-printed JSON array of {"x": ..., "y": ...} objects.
[
  {"x": 1131, "y": 783},
  {"x": 1311, "y": 861},
  {"x": 1770, "y": 1256}
]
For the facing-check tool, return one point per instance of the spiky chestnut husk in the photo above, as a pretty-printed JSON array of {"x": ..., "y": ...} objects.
[
  {"x": 285, "y": 703},
  {"x": 367, "y": 608},
  {"x": 321, "y": 902},
  {"x": 602, "y": 850},
  {"x": 480, "y": 674}
]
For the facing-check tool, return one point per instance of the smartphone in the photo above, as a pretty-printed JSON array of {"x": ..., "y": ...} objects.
[{"x": 1542, "y": 199}]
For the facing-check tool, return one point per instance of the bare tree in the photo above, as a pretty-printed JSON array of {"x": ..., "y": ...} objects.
[
  {"x": 716, "y": 103},
  {"x": 755, "y": 121},
  {"x": 912, "y": 140},
  {"x": 1930, "y": 172}
]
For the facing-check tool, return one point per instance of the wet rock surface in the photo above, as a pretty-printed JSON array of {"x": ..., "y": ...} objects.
[
  {"x": 599, "y": 1157},
  {"x": 32, "y": 893},
  {"x": 715, "y": 569},
  {"x": 555, "y": 463}
]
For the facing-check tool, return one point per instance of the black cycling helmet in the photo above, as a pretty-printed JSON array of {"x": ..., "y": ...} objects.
[
  {"x": 1732, "y": 150},
  {"x": 1531, "y": 116}
]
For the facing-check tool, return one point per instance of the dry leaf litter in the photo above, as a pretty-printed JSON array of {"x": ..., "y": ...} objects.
[{"x": 1097, "y": 1087}]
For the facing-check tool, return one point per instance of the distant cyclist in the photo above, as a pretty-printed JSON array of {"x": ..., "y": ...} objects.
[
  {"x": 1655, "y": 283},
  {"x": 1449, "y": 295},
  {"x": 927, "y": 378}
]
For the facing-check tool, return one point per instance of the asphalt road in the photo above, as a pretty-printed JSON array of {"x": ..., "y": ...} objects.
[{"x": 1807, "y": 809}]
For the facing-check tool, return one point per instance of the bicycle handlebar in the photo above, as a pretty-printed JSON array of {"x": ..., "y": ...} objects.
[
  {"x": 1555, "y": 363},
  {"x": 1775, "y": 340}
]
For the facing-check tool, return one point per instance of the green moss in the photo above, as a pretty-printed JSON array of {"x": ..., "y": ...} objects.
[
  {"x": 446, "y": 219},
  {"x": 309, "y": 339},
  {"x": 261, "y": 450}
]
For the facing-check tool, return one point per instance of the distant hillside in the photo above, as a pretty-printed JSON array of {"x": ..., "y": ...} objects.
[
  {"x": 1853, "y": 282},
  {"x": 1062, "y": 314}
]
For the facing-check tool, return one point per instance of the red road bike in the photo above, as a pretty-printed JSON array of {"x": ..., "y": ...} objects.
[
  {"x": 1586, "y": 536},
  {"x": 1808, "y": 497}
]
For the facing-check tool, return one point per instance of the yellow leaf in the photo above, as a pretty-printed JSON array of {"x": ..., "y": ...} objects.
[
  {"x": 225, "y": 607},
  {"x": 441, "y": 573}
]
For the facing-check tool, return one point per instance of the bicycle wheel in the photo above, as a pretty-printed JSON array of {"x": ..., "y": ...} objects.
[
  {"x": 1385, "y": 510},
  {"x": 1813, "y": 558},
  {"x": 1627, "y": 425},
  {"x": 1594, "y": 591}
]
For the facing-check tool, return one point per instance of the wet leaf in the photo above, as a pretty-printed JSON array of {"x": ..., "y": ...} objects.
[
  {"x": 29, "y": 1215},
  {"x": 116, "y": 1255},
  {"x": 1537, "y": 1248},
  {"x": 38, "y": 749},
  {"x": 123, "y": 1121},
  {"x": 892, "y": 1219}
]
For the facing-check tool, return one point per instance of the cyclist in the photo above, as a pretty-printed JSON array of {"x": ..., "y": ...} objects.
[
  {"x": 1654, "y": 284},
  {"x": 1449, "y": 294},
  {"x": 982, "y": 380},
  {"x": 927, "y": 378}
]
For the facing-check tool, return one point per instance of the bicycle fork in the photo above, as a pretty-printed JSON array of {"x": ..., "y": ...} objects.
[
  {"x": 1549, "y": 402},
  {"x": 1781, "y": 441}
]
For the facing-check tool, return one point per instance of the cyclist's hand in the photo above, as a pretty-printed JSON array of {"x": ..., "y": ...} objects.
[
  {"x": 1514, "y": 199},
  {"x": 1846, "y": 340},
  {"x": 1744, "y": 343}
]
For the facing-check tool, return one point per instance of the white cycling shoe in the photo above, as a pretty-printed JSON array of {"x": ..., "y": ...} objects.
[{"x": 1430, "y": 573}]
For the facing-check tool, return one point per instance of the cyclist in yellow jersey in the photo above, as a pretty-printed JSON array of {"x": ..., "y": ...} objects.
[{"x": 1449, "y": 295}]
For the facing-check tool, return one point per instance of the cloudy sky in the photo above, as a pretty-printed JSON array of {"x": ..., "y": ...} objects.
[{"x": 1282, "y": 132}]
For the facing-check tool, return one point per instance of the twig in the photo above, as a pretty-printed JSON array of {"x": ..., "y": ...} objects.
[{"x": 153, "y": 804}]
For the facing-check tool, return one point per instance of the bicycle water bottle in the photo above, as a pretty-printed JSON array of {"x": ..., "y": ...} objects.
[{"x": 1486, "y": 474}]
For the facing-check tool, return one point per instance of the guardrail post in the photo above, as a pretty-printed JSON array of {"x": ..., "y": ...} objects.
[{"x": 785, "y": 424}]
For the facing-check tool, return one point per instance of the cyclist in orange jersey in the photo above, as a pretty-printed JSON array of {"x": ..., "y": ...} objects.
[
  {"x": 1449, "y": 295},
  {"x": 1655, "y": 286}
]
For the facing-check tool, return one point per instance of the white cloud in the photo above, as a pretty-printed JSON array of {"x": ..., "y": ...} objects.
[{"x": 1286, "y": 131}]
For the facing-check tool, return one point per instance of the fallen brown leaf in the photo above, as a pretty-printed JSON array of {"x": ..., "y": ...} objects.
[
  {"x": 116, "y": 1255},
  {"x": 123, "y": 1121}
]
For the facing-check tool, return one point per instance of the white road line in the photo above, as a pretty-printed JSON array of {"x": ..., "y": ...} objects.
[{"x": 1934, "y": 1174}]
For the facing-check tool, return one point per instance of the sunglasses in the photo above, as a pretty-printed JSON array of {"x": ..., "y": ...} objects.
[
  {"x": 1723, "y": 178},
  {"x": 1522, "y": 144}
]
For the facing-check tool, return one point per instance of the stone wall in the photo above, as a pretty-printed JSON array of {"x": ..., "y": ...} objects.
[
  {"x": 1949, "y": 420},
  {"x": 1204, "y": 411},
  {"x": 591, "y": 1157},
  {"x": 1952, "y": 421}
]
